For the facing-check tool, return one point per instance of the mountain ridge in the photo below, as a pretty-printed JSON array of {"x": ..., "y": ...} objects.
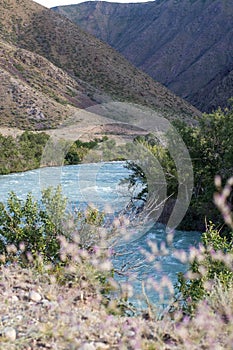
[
  {"x": 185, "y": 45},
  {"x": 43, "y": 52}
]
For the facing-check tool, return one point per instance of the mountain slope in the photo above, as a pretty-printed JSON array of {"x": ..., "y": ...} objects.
[
  {"x": 35, "y": 41},
  {"x": 186, "y": 44},
  {"x": 33, "y": 92}
]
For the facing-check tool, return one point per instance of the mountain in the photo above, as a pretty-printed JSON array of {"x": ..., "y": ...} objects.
[
  {"x": 50, "y": 69},
  {"x": 35, "y": 94},
  {"x": 184, "y": 44}
]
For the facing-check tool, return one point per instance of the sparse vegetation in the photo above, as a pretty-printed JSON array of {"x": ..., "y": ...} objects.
[{"x": 193, "y": 74}]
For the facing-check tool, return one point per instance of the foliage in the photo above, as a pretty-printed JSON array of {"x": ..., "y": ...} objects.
[
  {"x": 22, "y": 153},
  {"x": 30, "y": 228},
  {"x": 89, "y": 223},
  {"x": 80, "y": 149},
  {"x": 208, "y": 264},
  {"x": 25, "y": 151},
  {"x": 162, "y": 156},
  {"x": 210, "y": 145},
  {"x": 9, "y": 156}
]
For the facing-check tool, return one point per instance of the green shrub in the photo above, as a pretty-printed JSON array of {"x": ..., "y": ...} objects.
[
  {"x": 22, "y": 153},
  {"x": 32, "y": 228},
  {"x": 208, "y": 263},
  {"x": 210, "y": 145},
  {"x": 36, "y": 228}
]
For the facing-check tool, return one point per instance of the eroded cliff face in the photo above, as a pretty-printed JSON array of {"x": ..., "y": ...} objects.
[{"x": 184, "y": 44}]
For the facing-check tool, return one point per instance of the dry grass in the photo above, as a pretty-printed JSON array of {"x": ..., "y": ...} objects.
[{"x": 72, "y": 315}]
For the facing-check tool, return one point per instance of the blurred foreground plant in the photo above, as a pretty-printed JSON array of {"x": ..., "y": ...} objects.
[{"x": 213, "y": 260}]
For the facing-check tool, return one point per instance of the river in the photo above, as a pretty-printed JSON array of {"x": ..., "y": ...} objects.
[{"x": 100, "y": 184}]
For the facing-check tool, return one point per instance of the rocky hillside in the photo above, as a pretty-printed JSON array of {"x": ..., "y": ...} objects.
[
  {"x": 34, "y": 93},
  {"x": 50, "y": 67},
  {"x": 186, "y": 44}
]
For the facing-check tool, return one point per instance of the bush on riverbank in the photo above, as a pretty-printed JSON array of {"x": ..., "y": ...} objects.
[
  {"x": 210, "y": 145},
  {"x": 21, "y": 153},
  {"x": 211, "y": 262},
  {"x": 30, "y": 229},
  {"x": 25, "y": 151}
]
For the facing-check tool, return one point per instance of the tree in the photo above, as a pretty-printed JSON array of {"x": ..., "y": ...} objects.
[{"x": 210, "y": 144}]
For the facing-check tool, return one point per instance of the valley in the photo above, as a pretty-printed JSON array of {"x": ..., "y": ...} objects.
[{"x": 185, "y": 45}]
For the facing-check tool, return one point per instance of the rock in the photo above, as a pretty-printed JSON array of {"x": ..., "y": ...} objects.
[
  {"x": 117, "y": 335},
  {"x": 5, "y": 318},
  {"x": 34, "y": 296},
  {"x": 9, "y": 333},
  {"x": 87, "y": 346},
  {"x": 130, "y": 334},
  {"x": 19, "y": 317},
  {"x": 102, "y": 346},
  {"x": 14, "y": 299}
]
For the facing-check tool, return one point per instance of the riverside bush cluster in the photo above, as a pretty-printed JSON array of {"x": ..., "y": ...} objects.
[
  {"x": 211, "y": 149},
  {"x": 211, "y": 262},
  {"x": 21, "y": 153},
  {"x": 38, "y": 228},
  {"x": 25, "y": 151},
  {"x": 210, "y": 145}
]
